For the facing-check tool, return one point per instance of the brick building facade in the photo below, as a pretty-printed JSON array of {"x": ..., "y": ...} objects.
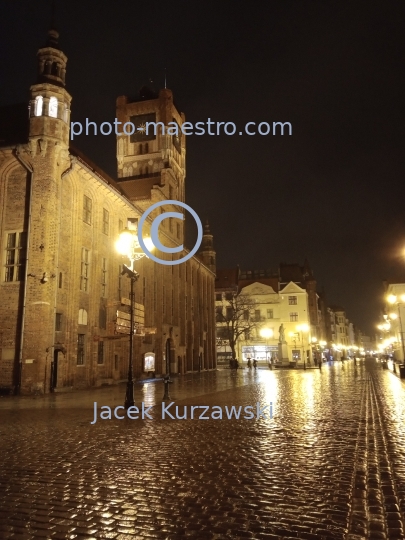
[{"x": 61, "y": 286}]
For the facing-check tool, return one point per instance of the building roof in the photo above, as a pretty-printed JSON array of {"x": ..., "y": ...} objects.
[
  {"x": 226, "y": 278},
  {"x": 82, "y": 157}
]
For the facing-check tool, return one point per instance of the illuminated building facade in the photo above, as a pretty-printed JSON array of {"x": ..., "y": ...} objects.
[{"x": 63, "y": 298}]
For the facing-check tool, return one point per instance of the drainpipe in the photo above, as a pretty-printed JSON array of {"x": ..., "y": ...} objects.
[{"x": 31, "y": 176}]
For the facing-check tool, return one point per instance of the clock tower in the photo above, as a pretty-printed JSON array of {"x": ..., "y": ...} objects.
[{"x": 154, "y": 156}]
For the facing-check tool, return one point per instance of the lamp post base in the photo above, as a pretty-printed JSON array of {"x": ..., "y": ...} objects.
[{"x": 129, "y": 395}]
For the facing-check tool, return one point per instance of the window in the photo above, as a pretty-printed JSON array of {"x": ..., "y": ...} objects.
[
  {"x": 106, "y": 221},
  {"x": 15, "y": 256},
  {"x": 292, "y": 300},
  {"x": 218, "y": 313},
  {"x": 102, "y": 317},
  {"x": 270, "y": 314},
  {"x": 247, "y": 335},
  {"x": 228, "y": 296},
  {"x": 60, "y": 280},
  {"x": 119, "y": 282},
  {"x": 84, "y": 270},
  {"x": 293, "y": 317},
  {"x": 100, "y": 352},
  {"x": 103, "y": 277},
  {"x": 58, "y": 322},
  {"x": 80, "y": 349},
  {"x": 246, "y": 314},
  {"x": 229, "y": 313},
  {"x": 39, "y": 101},
  {"x": 178, "y": 230},
  {"x": 296, "y": 354},
  {"x": 257, "y": 315},
  {"x": 53, "y": 107},
  {"x": 82, "y": 316},
  {"x": 218, "y": 297},
  {"x": 87, "y": 209}
]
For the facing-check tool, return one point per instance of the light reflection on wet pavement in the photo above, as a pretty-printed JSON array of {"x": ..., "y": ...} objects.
[{"x": 329, "y": 464}]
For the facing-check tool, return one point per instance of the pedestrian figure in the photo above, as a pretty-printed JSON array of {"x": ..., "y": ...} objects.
[
  {"x": 249, "y": 363},
  {"x": 254, "y": 363},
  {"x": 236, "y": 363}
]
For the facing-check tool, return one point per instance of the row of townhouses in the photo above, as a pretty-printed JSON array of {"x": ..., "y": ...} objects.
[{"x": 279, "y": 317}]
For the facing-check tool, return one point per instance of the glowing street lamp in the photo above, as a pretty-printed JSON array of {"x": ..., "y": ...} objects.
[
  {"x": 128, "y": 245},
  {"x": 267, "y": 333}
]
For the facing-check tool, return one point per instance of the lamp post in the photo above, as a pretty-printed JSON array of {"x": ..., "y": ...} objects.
[
  {"x": 301, "y": 329},
  {"x": 128, "y": 245},
  {"x": 267, "y": 333},
  {"x": 393, "y": 300}
]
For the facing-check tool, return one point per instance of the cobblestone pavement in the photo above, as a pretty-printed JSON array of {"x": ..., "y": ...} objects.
[{"x": 329, "y": 464}]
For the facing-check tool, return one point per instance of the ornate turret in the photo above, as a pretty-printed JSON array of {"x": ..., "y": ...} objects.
[
  {"x": 50, "y": 103},
  {"x": 207, "y": 252}
]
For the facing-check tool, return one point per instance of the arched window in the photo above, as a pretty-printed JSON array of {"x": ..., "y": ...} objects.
[
  {"x": 53, "y": 107},
  {"x": 39, "y": 100},
  {"x": 82, "y": 316}
]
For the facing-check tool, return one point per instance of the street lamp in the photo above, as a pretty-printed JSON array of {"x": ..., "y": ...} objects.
[
  {"x": 301, "y": 329},
  {"x": 393, "y": 300},
  {"x": 267, "y": 333},
  {"x": 128, "y": 245}
]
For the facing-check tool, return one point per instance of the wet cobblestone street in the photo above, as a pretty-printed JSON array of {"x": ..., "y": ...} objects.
[{"x": 329, "y": 464}]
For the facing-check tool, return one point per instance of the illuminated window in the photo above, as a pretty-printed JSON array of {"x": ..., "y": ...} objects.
[
  {"x": 293, "y": 317},
  {"x": 15, "y": 256},
  {"x": 296, "y": 354},
  {"x": 82, "y": 317},
  {"x": 53, "y": 107},
  {"x": 292, "y": 300},
  {"x": 39, "y": 101}
]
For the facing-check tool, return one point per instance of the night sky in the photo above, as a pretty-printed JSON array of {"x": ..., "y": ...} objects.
[{"x": 332, "y": 192}]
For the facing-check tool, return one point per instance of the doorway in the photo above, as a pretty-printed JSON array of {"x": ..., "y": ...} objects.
[{"x": 54, "y": 370}]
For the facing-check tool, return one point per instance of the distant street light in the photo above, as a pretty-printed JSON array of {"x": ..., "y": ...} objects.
[
  {"x": 128, "y": 245},
  {"x": 393, "y": 300}
]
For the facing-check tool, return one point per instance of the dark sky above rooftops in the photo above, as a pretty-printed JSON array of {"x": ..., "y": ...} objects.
[{"x": 332, "y": 192}]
